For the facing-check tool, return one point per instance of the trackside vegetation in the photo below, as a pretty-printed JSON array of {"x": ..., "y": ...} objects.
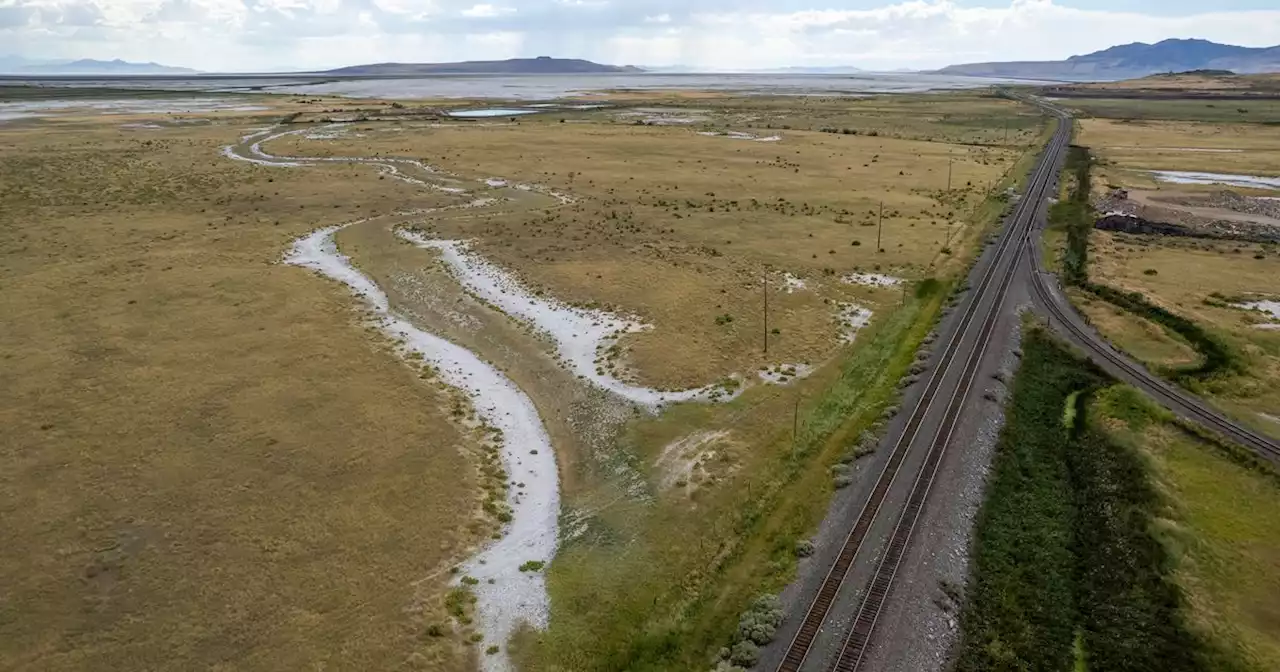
[{"x": 1067, "y": 570}]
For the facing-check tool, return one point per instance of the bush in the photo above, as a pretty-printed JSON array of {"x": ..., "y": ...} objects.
[
  {"x": 532, "y": 566},
  {"x": 804, "y": 548},
  {"x": 744, "y": 654}
]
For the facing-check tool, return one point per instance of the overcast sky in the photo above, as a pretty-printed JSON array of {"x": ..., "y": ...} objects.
[{"x": 246, "y": 35}]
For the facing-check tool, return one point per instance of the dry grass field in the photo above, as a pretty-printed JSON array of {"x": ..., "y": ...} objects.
[
  {"x": 680, "y": 228},
  {"x": 1187, "y": 82},
  {"x": 1181, "y": 276},
  {"x": 1140, "y": 337},
  {"x": 1128, "y": 149},
  {"x": 219, "y": 465},
  {"x": 1219, "y": 527},
  {"x": 209, "y": 463}
]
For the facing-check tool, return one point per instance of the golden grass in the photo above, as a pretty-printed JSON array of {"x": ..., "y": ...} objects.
[
  {"x": 1186, "y": 82},
  {"x": 1142, "y": 338},
  {"x": 1185, "y": 274},
  {"x": 1130, "y": 148},
  {"x": 1225, "y": 538},
  {"x": 210, "y": 464},
  {"x": 261, "y": 484},
  {"x": 680, "y": 228}
]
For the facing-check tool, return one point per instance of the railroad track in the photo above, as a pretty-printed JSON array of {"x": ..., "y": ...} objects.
[
  {"x": 1164, "y": 393},
  {"x": 996, "y": 277}
]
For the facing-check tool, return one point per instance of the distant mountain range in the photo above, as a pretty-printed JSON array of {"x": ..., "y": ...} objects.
[
  {"x": 542, "y": 65},
  {"x": 87, "y": 66},
  {"x": 1130, "y": 61}
]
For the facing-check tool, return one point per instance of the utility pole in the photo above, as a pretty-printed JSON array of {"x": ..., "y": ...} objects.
[
  {"x": 948, "y": 173},
  {"x": 880, "y": 228}
]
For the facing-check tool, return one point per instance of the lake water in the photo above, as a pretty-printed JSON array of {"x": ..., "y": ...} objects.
[
  {"x": 532, "y": 87},
  {"x": 547, "y": 87},
  {"x": 490, "y": 112}
]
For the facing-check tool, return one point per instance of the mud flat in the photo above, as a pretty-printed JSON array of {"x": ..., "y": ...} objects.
[{"x": 506, "y": 596}]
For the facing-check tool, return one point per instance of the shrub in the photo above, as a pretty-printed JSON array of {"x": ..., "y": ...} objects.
[
  {"x": 532, "y": 566},
  {"x": 804, "y": 548},
  {"x": 745, "y": 654}
]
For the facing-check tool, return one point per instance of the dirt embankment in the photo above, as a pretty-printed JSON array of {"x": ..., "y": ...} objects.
[{"x": 1223, "y": 215}]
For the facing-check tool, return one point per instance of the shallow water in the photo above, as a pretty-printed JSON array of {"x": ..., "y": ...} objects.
[
  {"x": 491, "y": 112},
  {"x": 1271, "y": 308},
  {"x": 550, "y": 87},
  {"x": 1243, "y": 181},
  {"x": 44, "y": 108}
]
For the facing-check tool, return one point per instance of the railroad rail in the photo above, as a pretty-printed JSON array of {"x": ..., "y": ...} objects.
[
  {"x": 1001, "y": 272},
  {"x": 877, "y": 592},
  {"x": 1171, "y": 397}
]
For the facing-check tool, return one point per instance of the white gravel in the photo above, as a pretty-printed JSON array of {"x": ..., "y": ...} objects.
[
  {"x": 852, "y": 318},
  {"x": 791, "y": 283},
  {"x": 578, "y": 333},
  {"x": 514, "y": 597},
  {"x": 872, "y": 280},
  {"x": 739, "y": 135},
  {"x": 785, "y": 374}
]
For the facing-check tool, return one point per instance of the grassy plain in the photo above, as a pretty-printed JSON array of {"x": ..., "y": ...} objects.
[
  {"x": 218, "y": 465},
  {"x": 1188, "y": 82},
  {"x": 1128, "y": 149},
  {"x": 679, "y": 228},
  {"x": 209, "y": 463},
  {"x": 1264, "y": 112},
  {"x": 1138, "y": 336},
  {"x": 1217, "y": 525},
  {"x": 1185, "y": 275}
]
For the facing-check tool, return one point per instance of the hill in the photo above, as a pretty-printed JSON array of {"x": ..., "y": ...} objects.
[
  {"x": 1135, "y": 60},
  {"x": 1182, "y": 85},
  {"x": 514, "y": 66},
  {"x": 89, "y": 66}
]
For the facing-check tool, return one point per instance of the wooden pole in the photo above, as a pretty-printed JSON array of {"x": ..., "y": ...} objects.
[
  {"x": 948, "y": 173},
  {"x": 880, "y": 228}
]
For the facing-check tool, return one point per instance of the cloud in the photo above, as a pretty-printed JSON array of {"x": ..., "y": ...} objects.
[
  {"x": 248, "y": 34},
  {"x": 486, "y": 11}
]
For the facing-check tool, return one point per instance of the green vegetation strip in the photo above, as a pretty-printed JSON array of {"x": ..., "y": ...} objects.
[
  {"x": 1066, "y": 571},
  {"x": 1075, "y": 216}
]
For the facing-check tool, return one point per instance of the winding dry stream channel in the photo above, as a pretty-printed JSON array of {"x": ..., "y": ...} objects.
[{"x": 506, "y": 597}]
